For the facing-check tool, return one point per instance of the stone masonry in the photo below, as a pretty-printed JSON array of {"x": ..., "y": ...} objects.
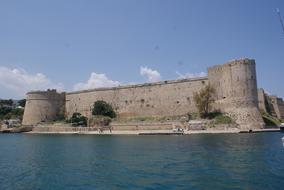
[
  {"x": 270, "y": 104},
  {"x": 236, "y": 94}
]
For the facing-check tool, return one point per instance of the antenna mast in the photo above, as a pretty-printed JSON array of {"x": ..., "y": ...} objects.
[{"x": 280, "y": 18}]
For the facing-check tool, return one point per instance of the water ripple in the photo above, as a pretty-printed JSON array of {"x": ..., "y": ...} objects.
[{"x": 220, "y": 161}]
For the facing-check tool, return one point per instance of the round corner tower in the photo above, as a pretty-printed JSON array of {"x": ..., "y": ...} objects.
[
  {"x": 43, "y": 106},
  {"x": 236, "y": 92}
]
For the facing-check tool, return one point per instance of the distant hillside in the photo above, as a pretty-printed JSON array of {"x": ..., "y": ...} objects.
[{"x": 11, "y": 109}]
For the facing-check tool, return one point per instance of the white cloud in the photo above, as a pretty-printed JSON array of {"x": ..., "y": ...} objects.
[
  {"x": 190, "y": 75},
  {"x": 15, "y": 83},
  {"x": 152, "y": 75},
  {"x": 96, "y": 81}
]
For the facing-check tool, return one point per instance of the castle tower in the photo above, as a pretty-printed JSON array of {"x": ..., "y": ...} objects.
[
  {"x": 43, "y": 106},
  {"x": 236, "y": 92}
]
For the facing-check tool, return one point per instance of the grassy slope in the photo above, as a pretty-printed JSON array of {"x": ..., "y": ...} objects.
[{"x": 270, "y": 120}]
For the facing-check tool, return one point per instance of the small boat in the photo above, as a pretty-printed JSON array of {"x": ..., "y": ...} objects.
[
  {"x": 177, "y": 130},
  {"x": 283, "y": 141}
]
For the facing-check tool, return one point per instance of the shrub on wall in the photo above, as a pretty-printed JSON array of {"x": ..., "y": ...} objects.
[
  {"x": 77, "y": 119},
  {"x": 100, "y": 121},
  {"x": 203, "y": 100},
  {"x": 223, "y": 119},
  {"x": 102, "y": 108}
]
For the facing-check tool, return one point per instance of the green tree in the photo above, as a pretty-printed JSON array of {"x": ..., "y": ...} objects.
[
  {"x": 6, "y": 102},
  {"x": 102, "y": 108},
  {"x": 22, "y": 102},
  {"x": 77, "y": 119},
  {"x": 4, "y": 111},
  {"x": 203, "y": 100},
  {"x": 17, "y": 113}
]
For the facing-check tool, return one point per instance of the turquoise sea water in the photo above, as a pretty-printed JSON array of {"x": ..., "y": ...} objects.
[{"x": 215, "y": 161}]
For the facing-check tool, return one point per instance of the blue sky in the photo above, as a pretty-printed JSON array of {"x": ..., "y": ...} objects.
[{"x": 81, "y": 44}]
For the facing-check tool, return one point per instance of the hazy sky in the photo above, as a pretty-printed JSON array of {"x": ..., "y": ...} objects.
[{"x": 80, "y": 44}]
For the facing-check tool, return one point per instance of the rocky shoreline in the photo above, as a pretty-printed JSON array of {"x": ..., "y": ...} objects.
[{"x": 17, "y": 129}]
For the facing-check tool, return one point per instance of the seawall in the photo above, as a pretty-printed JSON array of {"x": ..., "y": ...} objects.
[{"x": 236, "y": 95}]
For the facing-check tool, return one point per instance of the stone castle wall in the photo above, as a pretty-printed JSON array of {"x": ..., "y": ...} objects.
[
  {"x": 236, "y": 94},
  {"x": 156, "y": 99},
  {"x": 262, "y": 101},
  {"x": 278, "y": 106},
  {"x": 272, "y": 105},
  {"x": 43, "y": 106}
]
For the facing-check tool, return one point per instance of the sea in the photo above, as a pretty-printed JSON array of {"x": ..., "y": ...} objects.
[{"x": 199, "y": 161}]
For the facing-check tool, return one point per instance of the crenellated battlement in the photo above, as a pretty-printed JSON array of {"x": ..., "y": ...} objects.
[
  {"x": 160, "y": 83},
  {"x": 243, "y": 61}
]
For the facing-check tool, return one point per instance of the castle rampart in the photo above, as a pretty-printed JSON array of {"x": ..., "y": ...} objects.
[
  {"x": 153, "y": 99},
  {"x": 234, "y": 82},
  {"x": 272, "y": 105}
]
